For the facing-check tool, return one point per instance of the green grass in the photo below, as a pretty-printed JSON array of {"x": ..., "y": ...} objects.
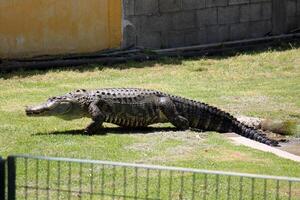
[{"x": 261, "y": 84}]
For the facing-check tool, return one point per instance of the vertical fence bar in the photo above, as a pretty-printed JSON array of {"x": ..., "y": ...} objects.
[
  {"x": 170, "y": 184},
  {"x": 26, "y": 178},
  {"x": 80, "y": 180},
  {"x": 228, "y": 187},
  {"x": 58, "y": 180},
  {"x": 241, "y": 188},
  {"x": 277, "y": 190},
  {"x": 102, "y": 181},
  {"x": 158, "y": 184},
  {"x": 265, "y": 189},
  {"x": 217, "y": 185},
  {"x": 69, "y": 180},
  {"x": 181, "y": 185},
  {"x": 290, "y": 190},
  {"x": 125, "y": 182},
  {"x": 2, "y": 178},
  {"x": 135, "y": 182},
  {"x": 48, "y": 179},
  {"x": 11, "y": 181},
  {"x": 114, "y": 182},
  {"x": 205, "y": 186},
  {"x": 92, "y": 182},
  {"x": 193, "y": 186},
  {"x": 252, "y": 188},
  {"x": 37, "y": 179},
  {"x": 147, "y": 184}
]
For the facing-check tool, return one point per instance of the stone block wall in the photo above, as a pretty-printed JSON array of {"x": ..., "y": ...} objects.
[
  {"x": 176, "y": 23},
  {"x": 293, "y": 14}
]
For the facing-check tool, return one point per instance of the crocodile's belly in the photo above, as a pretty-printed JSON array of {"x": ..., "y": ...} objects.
[{"x": 135, "y": 115}]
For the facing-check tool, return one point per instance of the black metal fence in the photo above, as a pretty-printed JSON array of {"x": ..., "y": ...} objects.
[{"x": 32, "y": 177}]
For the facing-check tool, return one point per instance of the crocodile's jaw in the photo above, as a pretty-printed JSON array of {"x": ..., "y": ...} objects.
[
  {"x": 37, "y": 111},
  {"x": 49, "y": 109}
]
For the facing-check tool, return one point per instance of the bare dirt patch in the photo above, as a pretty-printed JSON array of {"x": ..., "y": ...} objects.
[
  {"x": 184, "y": 144},
  {"x": 241, "y": 104}
]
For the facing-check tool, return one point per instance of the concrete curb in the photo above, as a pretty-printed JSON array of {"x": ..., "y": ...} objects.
[{"x": 262, "y": 147}]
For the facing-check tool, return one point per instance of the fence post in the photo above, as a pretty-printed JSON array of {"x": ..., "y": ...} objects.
[
  {"x": 11, "y": 178},
  {"x": 2, "y": 178}
]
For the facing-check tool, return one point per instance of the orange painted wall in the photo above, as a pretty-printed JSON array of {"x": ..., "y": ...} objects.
[{"x": 51, "y": 27}]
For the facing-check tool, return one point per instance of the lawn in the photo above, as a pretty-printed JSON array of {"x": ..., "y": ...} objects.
[{"x": 261, "y": 84}]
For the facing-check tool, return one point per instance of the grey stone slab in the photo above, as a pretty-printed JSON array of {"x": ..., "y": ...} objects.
[
  {"x": 128, "y": 7},
  {"x": 279, "y": 17},
  {"x": 238, "y": 2},
  {"x": 215, "y": 3},
  {"x": 146, "y": 7},
  {"x": 292, "y": 23},
  {"x": 170, "y": 5},
  {"x": 266, "y": 9},
  {"x": 239, "y": 31},
  {"x": 260, "y": 28},
  {"x": 228, "y": 15},
  {"x": 184, "y": 20},
  {"x": 208, "y": 16},
  {"x": 150, "y": 40},
  {"x": 193, "y": 4},
  {"x": 191, "y": 37},
  {"x": 245, "y": 13},
  {"x": 202, "y": 37},
  {"x": 217, "y": 33},
  {"x": 129, "y": 34},
  {"x": 176, "y": 39},
  {"x": 251, "y": 12},
  {"x": 155, "y": 22},
  {"x": 291, "y": 8},
  {"x": 256, "y": 12}
]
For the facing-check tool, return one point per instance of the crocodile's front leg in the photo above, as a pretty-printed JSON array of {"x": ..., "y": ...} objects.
[
  {"x": 168, "y": 108},
  {"x": 97, "y": 117}
]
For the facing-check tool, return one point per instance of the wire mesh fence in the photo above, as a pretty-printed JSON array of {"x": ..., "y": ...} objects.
[{"x": 61, "y": 178}]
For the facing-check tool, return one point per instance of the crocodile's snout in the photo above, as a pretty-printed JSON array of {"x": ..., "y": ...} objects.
[{"x": 35, "y": 110}]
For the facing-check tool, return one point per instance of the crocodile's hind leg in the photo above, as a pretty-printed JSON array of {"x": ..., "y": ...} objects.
[
  {"x": 168, "y": 108},
  {"x": 97, "y": 117}
]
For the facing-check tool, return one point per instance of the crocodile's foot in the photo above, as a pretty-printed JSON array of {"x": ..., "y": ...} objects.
[
  {"x": 94, "y": 129},
  {"x": 181, "y": 123}
]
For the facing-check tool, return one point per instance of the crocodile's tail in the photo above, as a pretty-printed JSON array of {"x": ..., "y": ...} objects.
[
  {"x": 208, "y": 118},
  {"x": 252, "y": 133}
]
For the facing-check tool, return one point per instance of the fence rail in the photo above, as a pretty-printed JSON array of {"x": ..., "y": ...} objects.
[{"x": 34, "y": 177}]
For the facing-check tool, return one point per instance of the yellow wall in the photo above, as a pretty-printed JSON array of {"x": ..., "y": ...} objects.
[{"x": 48, "y": 27}]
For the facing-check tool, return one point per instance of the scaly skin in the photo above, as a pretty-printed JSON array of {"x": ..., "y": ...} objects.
[{"x": 131, "y": 107}]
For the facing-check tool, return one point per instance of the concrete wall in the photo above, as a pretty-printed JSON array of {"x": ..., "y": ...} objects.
[
  {"x": 38, "y": 27},
  {"x": 52, "y": 27},
  {"x": 175, "y": 23}
]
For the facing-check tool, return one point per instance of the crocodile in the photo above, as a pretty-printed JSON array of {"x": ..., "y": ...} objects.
[{"x": 136, "y": 108}]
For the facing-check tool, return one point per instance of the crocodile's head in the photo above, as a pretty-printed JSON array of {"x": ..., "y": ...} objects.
[{"x": 63, "y": 107}]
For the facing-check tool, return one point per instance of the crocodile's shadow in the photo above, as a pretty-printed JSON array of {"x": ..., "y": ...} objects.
[{"x": 112, "y": 130}]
